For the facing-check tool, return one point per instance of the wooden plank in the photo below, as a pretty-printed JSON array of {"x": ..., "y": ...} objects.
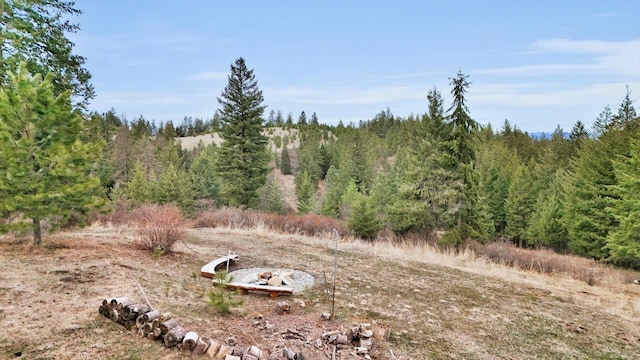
[
  {"x": 273, "y": 291},
  {"x": 209, "y": 270}
]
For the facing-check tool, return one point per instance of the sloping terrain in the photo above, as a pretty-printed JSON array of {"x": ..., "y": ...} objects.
[{"x": 49, "y": 300}]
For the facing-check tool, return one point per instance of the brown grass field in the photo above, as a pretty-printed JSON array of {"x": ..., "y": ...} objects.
[{"x": 437, "y": 305}]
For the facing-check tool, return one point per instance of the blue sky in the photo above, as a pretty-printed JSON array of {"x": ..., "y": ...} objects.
[{"x": 537, "y": 63}]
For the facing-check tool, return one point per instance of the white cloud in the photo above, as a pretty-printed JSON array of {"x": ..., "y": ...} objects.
[
  {"x": 208, "y": 75},
  {"x": 522, "y": 96},
  {"x": 601, "y": 57},
  {"x": 346, "y": 95},
  {"x": 121, "y": 97}
]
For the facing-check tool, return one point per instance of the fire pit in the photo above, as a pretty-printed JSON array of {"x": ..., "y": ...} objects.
[{"x": 294, "y": 279}]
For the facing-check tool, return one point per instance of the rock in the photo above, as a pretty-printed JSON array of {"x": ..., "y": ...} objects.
[
  {"x": 366, "y": 343},
  {"x": 275, "y": 281},
  {"x": 325, "y": 316},
  {"x": 282, "y": 307},
  {"x": 232, "y": 357},
  {"x": 255, "y": 351}
]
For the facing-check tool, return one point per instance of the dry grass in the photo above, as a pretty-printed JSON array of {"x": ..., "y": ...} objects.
[{"x": 438, "y": 304}]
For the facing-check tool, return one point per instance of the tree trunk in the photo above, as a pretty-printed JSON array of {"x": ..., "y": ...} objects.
[{"x": 37, "y": 232}]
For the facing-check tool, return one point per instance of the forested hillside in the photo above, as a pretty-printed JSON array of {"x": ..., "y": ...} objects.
[{"x": 436, "y": 176}]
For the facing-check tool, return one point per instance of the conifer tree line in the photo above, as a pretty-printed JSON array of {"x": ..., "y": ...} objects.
[{"x": 433, "y": 173}]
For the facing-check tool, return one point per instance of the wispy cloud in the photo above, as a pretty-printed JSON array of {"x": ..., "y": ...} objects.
[
  {"x": 122, "y": 97},
  {"x": 531, "y": 96},
  {"x": 604, "y": 57},
  {"x": 346, "y": 95},
  {"x": 208, "y": 75}
]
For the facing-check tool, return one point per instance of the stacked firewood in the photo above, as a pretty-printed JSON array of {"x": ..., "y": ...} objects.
[
  {"x": 355, "y": 341},
  {"x": 155, "y": 325}
]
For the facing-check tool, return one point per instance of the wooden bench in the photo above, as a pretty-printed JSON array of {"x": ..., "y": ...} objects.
[
  {"x": 274, "y": 291},
  {"x": 209, "y": 270}
]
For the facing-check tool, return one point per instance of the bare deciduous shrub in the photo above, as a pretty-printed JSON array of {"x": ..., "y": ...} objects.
[
  {"x": 222, "y": 217},
  {"x": 310, "y": 224},
  {"x": 543, "y": 261},
  {"x": 159, "y": 227}
]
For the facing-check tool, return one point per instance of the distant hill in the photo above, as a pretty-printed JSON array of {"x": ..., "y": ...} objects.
[{"x": 546, "y": 135}]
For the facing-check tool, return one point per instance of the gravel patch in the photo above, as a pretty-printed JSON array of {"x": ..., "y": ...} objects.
[{"x": 301, "y": 280}]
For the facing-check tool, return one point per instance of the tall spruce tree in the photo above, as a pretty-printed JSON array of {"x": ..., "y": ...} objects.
[
  {"x": 34, "y": 31},
  {"x": 462, "y": 148},
  {"x": 45, "y": 169},
  {"x": 623, "y": 241},
  {"x": 243, "y": 158},
  {"x": 626, "y": 112}
]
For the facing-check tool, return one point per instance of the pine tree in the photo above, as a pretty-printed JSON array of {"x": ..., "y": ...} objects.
[
  {"x": 578, "y": 135},
  {"x": 335, "y": 183},
  {"x": 364, "y": 219},
  {"x": 173, "y": 186},
  {"x": 34, "y": 31},
  {"x": 203, "y": 174},
  {"x": 271, "y": 198},
  {"x": 302, "y": 119},
  {"x": 496, "y": 166},
  {"x": 589, "y": 196},
  {"x": 304, "y": 191},
  {"x": 243, "y": 155},
  {"x": 461, "y": 144},
  {"x": 45, "y": 169},
  {"x": 603, "y": 121},
  {"x": 138, "y": 188},
  {"x": 545, "y": 224},
  {"x": 626, "y": 112},
  {"x": 314, "y": 120},
  {"x": 285, "y": 161},
  {"x": 623, "y": 241},
  {"x": 519, "y": 205}
]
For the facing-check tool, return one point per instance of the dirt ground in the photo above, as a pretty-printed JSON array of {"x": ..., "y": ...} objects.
[{"x": 49, "y": 299}]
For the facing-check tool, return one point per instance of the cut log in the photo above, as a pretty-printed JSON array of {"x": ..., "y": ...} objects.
[
  {"x": 140, "y": 322},
  {"x": 223, "y": 351},
  {"x": 164, "y": 317},
  {"x": 148, "y": 328},
  {"x": 167, "y": 325},
  {"x": 131, "y": 312},
  {"x": 118, "y": 300},
  {"x": 214, "y": 346},
  {"x": 202, "y": 345},
  {"x": 150, "y": 316},
  {"x": 174, "y": 336},
  {"x": 189, "y": 341},
  {"x": 121, "y": 305},
  {"x": 342, "y": 339},
  {"x": 157, "y": 332}
]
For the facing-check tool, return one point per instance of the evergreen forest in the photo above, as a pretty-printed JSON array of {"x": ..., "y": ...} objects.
[{"x": 436, "y": 176}]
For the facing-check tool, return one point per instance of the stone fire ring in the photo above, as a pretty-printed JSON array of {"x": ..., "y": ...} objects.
[{"x": 301, "y": 280}]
